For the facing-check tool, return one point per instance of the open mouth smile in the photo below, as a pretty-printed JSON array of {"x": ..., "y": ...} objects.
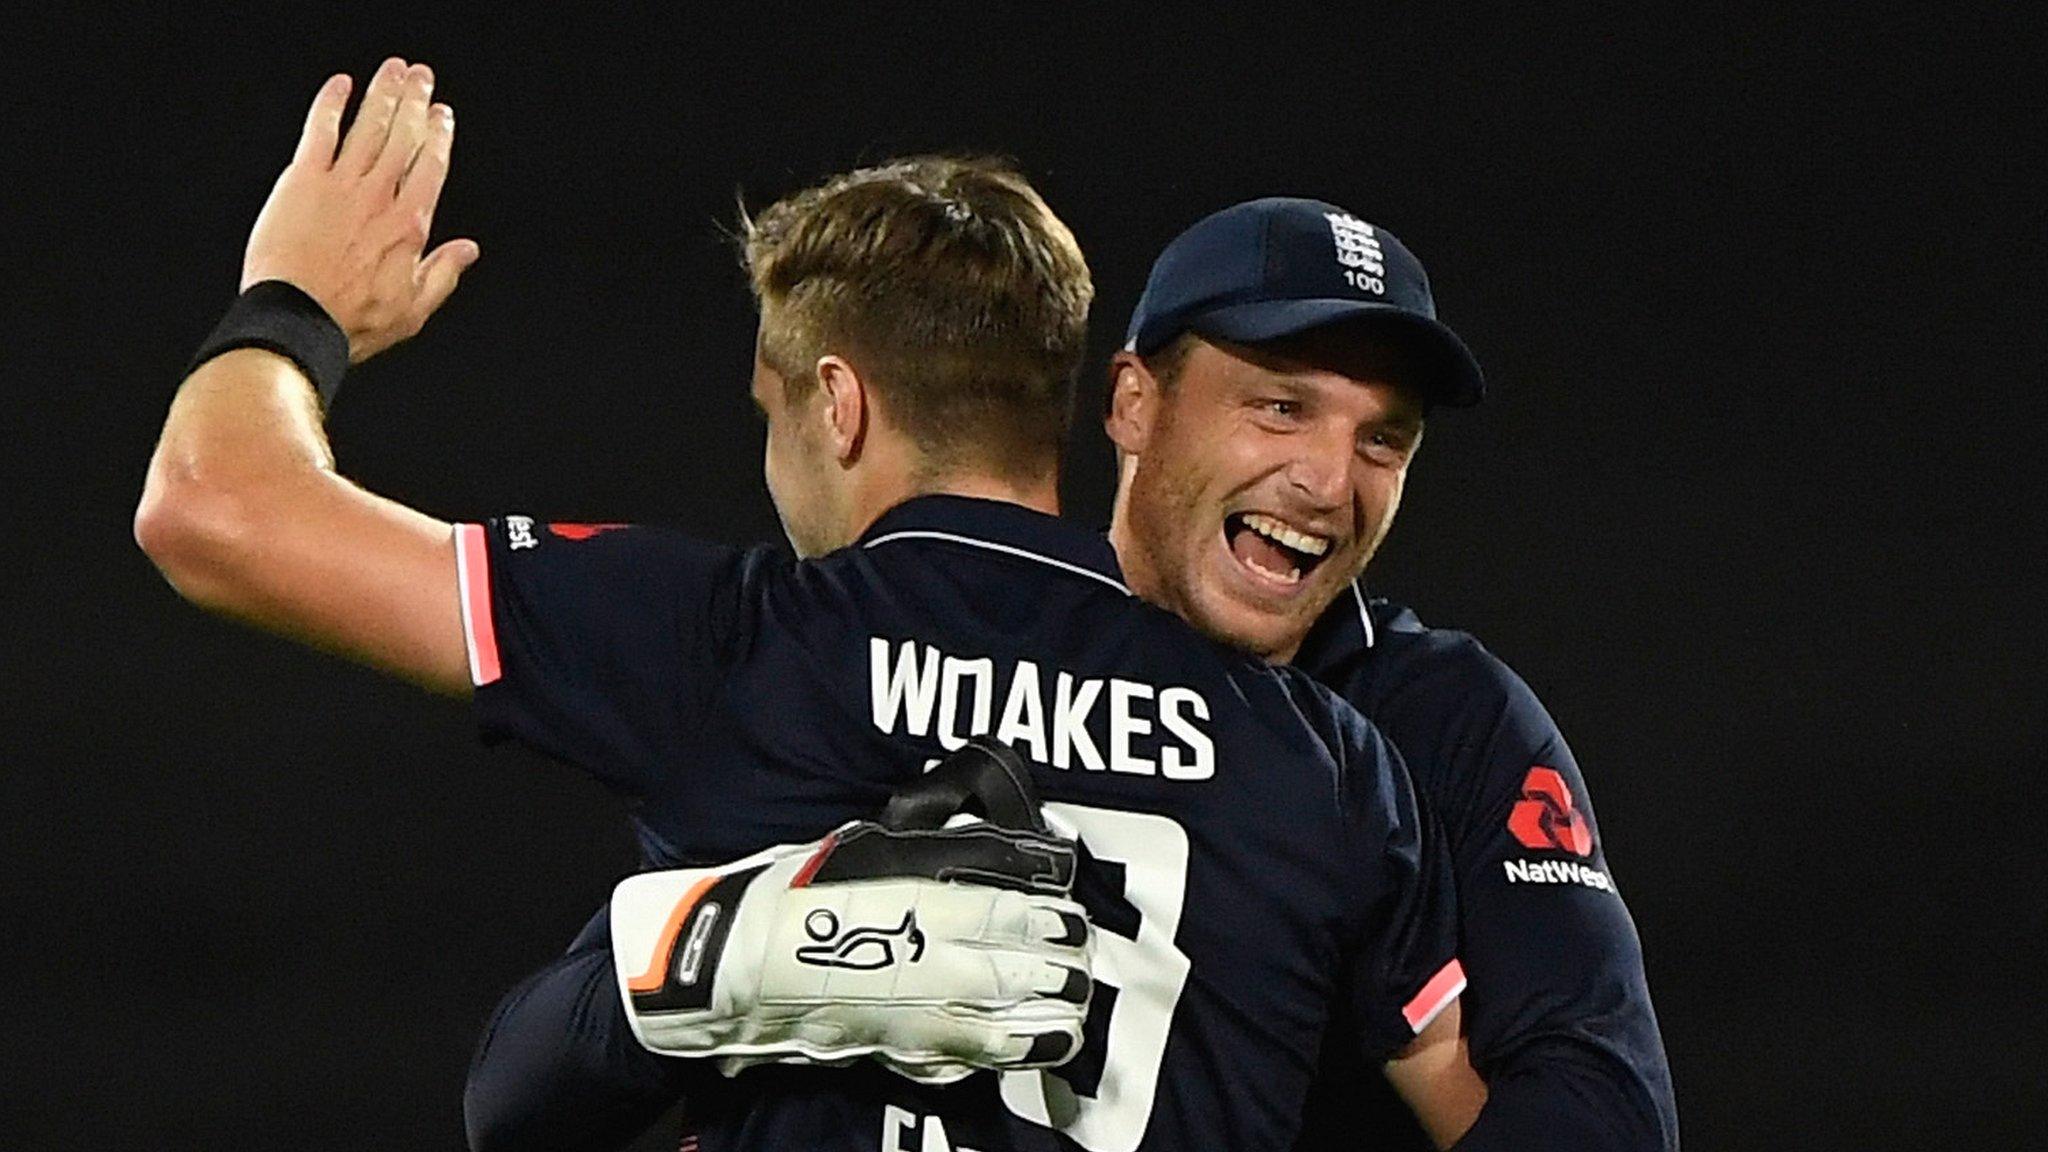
[{"x": 1273, "y": 551}]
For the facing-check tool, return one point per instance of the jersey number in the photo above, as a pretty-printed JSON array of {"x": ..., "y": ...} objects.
[{"x": 1147, "y": 971}]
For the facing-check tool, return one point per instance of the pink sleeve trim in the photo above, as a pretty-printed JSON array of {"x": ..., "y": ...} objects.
[
  {"x": 473, "y": 577},
  {"x": 1444, "y": 987}
]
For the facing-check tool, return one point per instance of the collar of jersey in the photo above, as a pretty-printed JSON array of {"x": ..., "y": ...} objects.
[
  {"x": 1001, "y": 526},
  {"x": 1345, "y": 628}
]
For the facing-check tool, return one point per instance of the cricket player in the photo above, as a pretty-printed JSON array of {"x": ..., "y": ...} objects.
[
  {"x": 1259, "y": 877},
  {"x": 1263, "y": 452}
]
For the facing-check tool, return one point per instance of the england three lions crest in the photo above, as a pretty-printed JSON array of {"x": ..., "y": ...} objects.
[{"x": 1357, "y": 246}]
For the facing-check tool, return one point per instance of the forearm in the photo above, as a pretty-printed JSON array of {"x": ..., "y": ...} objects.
[
  {"x": 245, "y": 515},
  {"x": 1435, "y": 1078},
  {"x": 243, "y": 420},
  {"x": 559, "y": 1069},
  {"x": 1560, "y": 1023},
  {"x": 1570, "y": 1097},
  {"x": 241, "y": 446}
]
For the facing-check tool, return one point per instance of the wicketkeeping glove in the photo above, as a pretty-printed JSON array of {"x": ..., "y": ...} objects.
[{"x": 936, "y": 950}]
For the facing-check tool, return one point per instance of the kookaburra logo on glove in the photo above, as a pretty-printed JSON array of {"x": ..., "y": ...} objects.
[
  {"x": 861, "y": 949},
  {"x": 937, "y": 950}
]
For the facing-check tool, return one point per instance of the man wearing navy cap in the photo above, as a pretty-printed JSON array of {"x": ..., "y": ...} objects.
[{"x": 1270, "y": 398}]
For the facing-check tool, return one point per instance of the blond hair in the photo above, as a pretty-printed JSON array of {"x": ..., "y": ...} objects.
[{"x": 953, "y": 289}]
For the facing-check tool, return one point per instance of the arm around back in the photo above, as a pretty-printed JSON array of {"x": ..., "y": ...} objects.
[{"x": 1558, "y": 1015}]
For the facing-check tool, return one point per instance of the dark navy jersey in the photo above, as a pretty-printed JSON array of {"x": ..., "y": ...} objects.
[
  {"x": 1260, "y": 878},
  {"x": 1558, "y": 1014}
]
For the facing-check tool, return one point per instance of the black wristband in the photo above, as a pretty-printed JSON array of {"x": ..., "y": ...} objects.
[{"x": 280, "y": 318}]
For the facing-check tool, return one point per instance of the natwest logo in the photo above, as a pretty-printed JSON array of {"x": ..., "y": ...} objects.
[
  {"x": 1556, "y": 872},
  {"x": 1544, "y": 816}
]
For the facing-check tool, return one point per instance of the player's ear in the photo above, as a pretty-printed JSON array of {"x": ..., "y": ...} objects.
[
  {"x": 845, "y": 410},
  {"x": 1134, "y": 398}
]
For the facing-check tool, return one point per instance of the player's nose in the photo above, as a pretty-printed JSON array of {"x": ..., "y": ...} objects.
[{"x": 1320, "y": 473}]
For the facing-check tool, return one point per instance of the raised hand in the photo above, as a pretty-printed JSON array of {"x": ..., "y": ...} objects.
[{"x": 348, "y": 220}]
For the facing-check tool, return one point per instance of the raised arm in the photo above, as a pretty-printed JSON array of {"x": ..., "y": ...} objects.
[{"x": 243, "y": 510}]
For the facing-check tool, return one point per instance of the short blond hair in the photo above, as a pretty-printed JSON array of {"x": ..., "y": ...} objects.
[{"x": 951, "y": 286}]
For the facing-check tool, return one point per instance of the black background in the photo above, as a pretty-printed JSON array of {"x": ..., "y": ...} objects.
[{"x": 1754, "y": 507}]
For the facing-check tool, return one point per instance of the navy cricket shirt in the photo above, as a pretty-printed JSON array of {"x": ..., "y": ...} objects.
[
  {"x": 1258, "y": 873},
  {"x": 1559, "y": 1012}
]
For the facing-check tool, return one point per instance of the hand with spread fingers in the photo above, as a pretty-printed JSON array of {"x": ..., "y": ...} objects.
[{"x": 348, "y": 220}]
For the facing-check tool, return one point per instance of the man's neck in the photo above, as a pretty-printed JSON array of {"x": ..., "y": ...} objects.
[{"x": 1040, "y": 494}]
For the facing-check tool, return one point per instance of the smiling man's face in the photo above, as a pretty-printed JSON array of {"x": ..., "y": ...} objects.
[{"x": 1257, "y": 481}]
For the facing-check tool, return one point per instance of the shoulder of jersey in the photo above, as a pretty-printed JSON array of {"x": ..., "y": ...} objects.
[
  {"x": 1408, "y": 653},
  {"x": 1399, "y": 633}
]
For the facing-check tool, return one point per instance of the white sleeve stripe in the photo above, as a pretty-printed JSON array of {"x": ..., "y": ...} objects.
[
  {"x": 473, "y": 581},
  {"x": 1443, "y": 988}
]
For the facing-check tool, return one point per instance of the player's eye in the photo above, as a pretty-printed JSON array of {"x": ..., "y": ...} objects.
[
  {"x": 1390, "y": 444},
  {"x": 1280, "y": 406}
]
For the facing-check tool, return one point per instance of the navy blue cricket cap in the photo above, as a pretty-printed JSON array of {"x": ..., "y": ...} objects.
[{"x": 1276, "y": 267}]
